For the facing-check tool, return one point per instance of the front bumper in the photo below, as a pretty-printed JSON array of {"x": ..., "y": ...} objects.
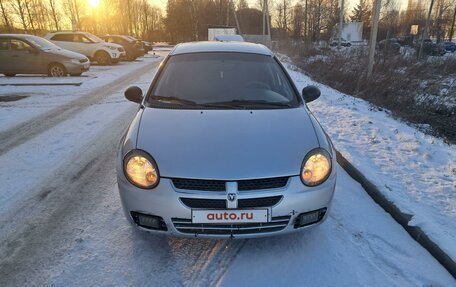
[
  {"x": 117, "y": 55},
  {"x": 165, "y": 201},
  {"x": 76, "y": 68}
]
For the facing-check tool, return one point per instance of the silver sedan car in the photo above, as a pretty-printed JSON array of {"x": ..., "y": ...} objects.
[
  {"x": 28, "y": 54},
  {"x": 224, "y": 146}
]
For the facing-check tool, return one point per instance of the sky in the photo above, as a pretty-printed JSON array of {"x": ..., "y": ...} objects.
[{"x": 350, "y": 3}]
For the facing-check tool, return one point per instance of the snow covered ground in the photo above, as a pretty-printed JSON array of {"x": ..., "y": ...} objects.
[
  {"x": 415, "y": 171},
  {"x": 61, "y": 223}
]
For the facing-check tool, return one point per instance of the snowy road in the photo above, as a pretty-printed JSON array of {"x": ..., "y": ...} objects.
[{"x": 61, "y": 222}]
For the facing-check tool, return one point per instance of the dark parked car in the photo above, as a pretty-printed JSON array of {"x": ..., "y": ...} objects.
[
  {"x": 334, "y": 42},
  {"x": 147, "y": 46},
  {"x": 132, "y": 48},
  {"x": 389, "y": 46},
  {"x": 450, "y": 47},
  {"x": 137, "y": 41},
  {"x": 406, "y": 41},
  {"x": 430, "y": 48},
  {"x": 28, "y": 54}
]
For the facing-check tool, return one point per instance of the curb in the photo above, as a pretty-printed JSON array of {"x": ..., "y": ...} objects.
[{"x": 402, "y": 218}]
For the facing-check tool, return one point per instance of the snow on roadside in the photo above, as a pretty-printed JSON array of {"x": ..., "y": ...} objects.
[
  {"x": 50, "y": 151},
  {"x": 415, "y": 171},
  {"x": 356, "y": 246}
]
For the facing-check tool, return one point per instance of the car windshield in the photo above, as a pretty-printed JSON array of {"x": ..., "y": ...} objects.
[
  {"x": 42, "y": 44},
  {"x": 223, "y": 80},
  {"x": 93, "y": 38}
]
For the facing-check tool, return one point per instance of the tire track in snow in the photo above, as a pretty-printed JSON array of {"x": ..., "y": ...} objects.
[
  {"x": 46, "y": 225},
  {"x": 212, "y": 265},
  {"x": 28, "y": 130}
]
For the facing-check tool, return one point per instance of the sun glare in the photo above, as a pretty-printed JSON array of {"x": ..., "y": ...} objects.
[{"x": 93, "y": 3}]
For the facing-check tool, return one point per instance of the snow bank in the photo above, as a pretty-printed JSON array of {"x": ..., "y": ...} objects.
[{"x": 415, "y": 171}]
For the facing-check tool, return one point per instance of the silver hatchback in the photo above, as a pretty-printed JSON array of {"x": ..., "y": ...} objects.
[{"x": 223, "y": 145}]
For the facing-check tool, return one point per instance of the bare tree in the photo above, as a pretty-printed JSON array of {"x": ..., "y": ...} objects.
[
  {"x": 5, "y": 16},
  {"x": 19, "y": 8},
  {"x": 54, "y": 14}
]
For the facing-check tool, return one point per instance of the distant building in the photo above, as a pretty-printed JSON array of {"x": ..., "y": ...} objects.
[{"x": 352, "y": 32}]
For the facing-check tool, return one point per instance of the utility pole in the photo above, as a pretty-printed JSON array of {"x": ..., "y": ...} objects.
[
  {"x": 268, "y": 24},
  {"x": 425, "y": 31},
  {"x": 341, "y": 23},
  {"x": 452, "y": 25},
  {"x": 373, "y": 38},
  {"x": 305, "y": 22},
  {"x": 264, "y": 17},
  {"x": 235, "y": 17}
]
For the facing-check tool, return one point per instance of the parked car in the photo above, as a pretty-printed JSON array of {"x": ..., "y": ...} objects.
[
  {"x": 450, "y": 47},
  {"x": 430, "y": 48},
  {"x": 335, "y": 41},
  {"x": 406, "y": 41},
  {"x": 147, "y": 46},
  {"x": 226, "y": 147},
  {"x": 137, "y": 41},
  {"x": 28, "y": 54},
  {"x": 132, "y": 48},
  {"x": 88, "y": 44},
  {"x": 389, "y": 46}
]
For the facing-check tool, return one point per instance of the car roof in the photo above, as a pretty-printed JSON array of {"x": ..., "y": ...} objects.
[
  {"x": 68, "y": 32},
  {"x": 22, "y": 36},
  {"x": 213, "y": 46}
]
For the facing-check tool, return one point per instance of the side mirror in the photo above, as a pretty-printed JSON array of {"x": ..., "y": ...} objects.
[
  {"x": 310, "y": 93},
  {"x": 134, "y": 94}
]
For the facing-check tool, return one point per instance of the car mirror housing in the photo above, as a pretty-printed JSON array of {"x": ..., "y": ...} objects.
[
  {"x": 310, "y": 93},
  {"x": 134, "y": 94}
]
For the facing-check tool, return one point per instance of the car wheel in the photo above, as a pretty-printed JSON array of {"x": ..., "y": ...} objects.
[
  {"x": 57, "y": 70},
  {"x": 102, "y": 58},
  {"x": 75, "y": 74},
  {"x": 10, "y": 75}
]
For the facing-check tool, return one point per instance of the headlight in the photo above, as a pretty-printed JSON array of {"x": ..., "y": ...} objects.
[
  {"x": 141, "y": 169},
  {"x": 110, "y": 47},
  {"x": 316, "y": 167}
]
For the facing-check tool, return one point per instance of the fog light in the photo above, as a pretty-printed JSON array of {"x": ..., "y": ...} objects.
[
  {"x": 309, "y": 218},
  {"x": 149, "y": 221}
]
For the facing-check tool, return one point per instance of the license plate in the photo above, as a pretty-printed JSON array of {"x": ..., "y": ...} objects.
[{"x": 229, "y": 216}]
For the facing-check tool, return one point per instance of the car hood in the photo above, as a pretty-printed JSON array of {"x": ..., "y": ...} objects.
[
  {"x": 227, "y": 144},
  {"x": 66, "y": 53}
]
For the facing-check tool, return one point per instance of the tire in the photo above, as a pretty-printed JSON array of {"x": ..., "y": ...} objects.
[
  {"x": 9, "y": 75},
  {"x": 76, "y": 74},
  {"x": 57, "y": 70},
  {"x": 102, "y": 58},
  {"x": 130, "y": 57}
]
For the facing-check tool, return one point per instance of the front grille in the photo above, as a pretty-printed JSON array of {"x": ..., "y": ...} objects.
[
  {"x": 204, "y": 203},
  {"x": 199, "y": 184},
  {"x": 259, "y": 202},
  {"x": 83, "y": 60},
  {"x": 186, "y": 226},
  {"x": 219, "y": 185},
  {"x": 221, "y": 203},
  {"x": 264, "y": 183}
]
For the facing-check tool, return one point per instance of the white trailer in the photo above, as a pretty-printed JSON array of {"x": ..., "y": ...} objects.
[{"x": 215, "y": 31}]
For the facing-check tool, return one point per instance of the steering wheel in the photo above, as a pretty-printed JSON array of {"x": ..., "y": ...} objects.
[{"x": 257, "y": 85}]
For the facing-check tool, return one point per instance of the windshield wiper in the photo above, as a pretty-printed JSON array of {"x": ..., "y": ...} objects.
[
  {"x": 163, "y": 99},
  {"x": 249, "y": 103}
]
